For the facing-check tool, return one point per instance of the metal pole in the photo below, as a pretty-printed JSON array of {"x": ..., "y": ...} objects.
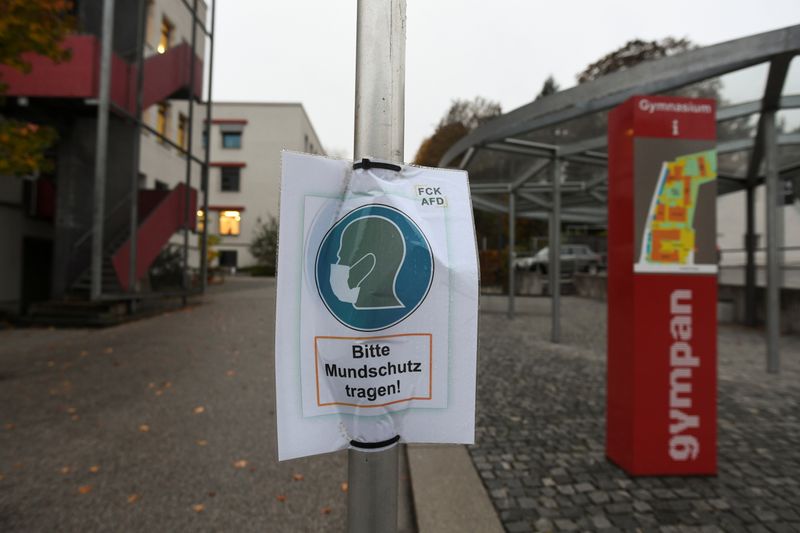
[
  {"x": 512, "y": 222},
  {"x": 207, "y": 157},
  {"x": 101, "y": 149},
  {"x": 379, "y": 122},
  {"x": 555, "y": 256},
  {"x": 134, "y": 214},
  {"x": 750, "y": 263},
  {"x": 773, "y": 265},
  {"x": 187, "y": 193}
]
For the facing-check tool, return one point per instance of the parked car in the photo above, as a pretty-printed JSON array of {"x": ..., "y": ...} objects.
[
  {"x": 574, "y": 258},
  {"x": 523, "y": 261}
]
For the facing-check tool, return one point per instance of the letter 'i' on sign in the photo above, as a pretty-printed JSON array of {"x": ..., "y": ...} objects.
[
  {"x": 662, "y": 287},
  {"x": 376, "y": 332}
]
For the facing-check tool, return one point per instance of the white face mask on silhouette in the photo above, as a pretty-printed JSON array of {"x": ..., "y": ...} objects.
[{"x": 340, "y": 275}]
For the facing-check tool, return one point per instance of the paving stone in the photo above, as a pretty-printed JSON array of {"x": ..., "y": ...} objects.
[{"x": 540, "y": 431}]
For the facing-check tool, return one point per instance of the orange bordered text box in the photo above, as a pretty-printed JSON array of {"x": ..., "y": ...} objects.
[{"x": 369, "y": 372}]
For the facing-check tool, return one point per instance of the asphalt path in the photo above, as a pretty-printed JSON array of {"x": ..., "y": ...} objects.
[{"x": 163, "y": 424}]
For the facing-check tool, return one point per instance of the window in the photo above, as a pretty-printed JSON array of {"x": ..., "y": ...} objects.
[
  {"x": 229, "y": 222},
  {"x": 205, "y": 136},
  {"x": 166, "y": 35},
  {"x": 231, "y": 139},
  {"x": 182, "y": 123},
  {"x": 230, "y": 179},
  {"x": 201, "y": 221},
  {"x": 162, "y": 118},
  {"x": 150, "y": 28},
  {"x": 227, "y": 258},
  {"x": 161, "y": 186}
]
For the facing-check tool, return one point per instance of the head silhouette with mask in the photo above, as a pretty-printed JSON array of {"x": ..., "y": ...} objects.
[{"x": 370, "y": 254}]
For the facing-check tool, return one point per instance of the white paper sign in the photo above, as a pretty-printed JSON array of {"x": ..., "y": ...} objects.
[{"x": 377, "y": 307}]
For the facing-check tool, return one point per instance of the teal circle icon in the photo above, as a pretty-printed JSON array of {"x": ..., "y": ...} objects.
[{"x": 374, "y": 268}]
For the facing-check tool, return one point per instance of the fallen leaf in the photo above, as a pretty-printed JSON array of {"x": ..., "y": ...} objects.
[
  {"x": 10, "y": 426},
  {"x": 198, "y": 507},
  {"x": 199, "y": 410},
  {"x": 65, "y": 470},
  {"x": 71, "y": 410},
  {"x": 2, "y": 477},
  {"x": 144, "y": 428},
  {"x": 51, "y": 364},
  {"x": 85, "y": 489},
  {"x": 116, "y": 363},
  {"x": 75, "y": 418},
  {"x": 241, "y": 463},
  {"x": 344, "y": 487},
  {"x": 281, "y": 498},
  {"x": 167, "y": 384},
  {"x": 298, "y": 477},
  {"x": 230, "y": 373},
  {"x": 19, "y": 466},
  {"x": 151, "y": 385},
  {"x": 109, "y": 350},
  {"x": 159, "y": 392},
  {"x": 53, "y": 392},
  {"x": 252, "y": 469},
  {"x": 94, "y": 469},
  {"x": 211, "y": 494},
  {"x": 133, "y": 498},
  {"x": 84, "y": 353},
  {"x": 202, "y": 442},
  {"x": 326, "y": 510}
]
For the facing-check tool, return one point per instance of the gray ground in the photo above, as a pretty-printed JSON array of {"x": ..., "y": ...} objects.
[
  {"x": 540, "y": 441},
  {"x": 74, "y": 399}
]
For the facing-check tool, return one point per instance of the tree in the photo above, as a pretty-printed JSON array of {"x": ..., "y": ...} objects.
[
  {"x": 633, "y": 53},
  {"x": 30, "y": 27},
  {"x": 462, "y": 117},
  {"x": 550, "y": 86},
  {"x": 264, "y": 245}
]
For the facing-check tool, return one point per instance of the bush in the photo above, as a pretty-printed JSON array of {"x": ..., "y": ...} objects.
[{"x": 264, "y": 246}]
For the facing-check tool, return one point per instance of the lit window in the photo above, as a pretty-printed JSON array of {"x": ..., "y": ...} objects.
[
  {"x": 201, "y": 221},
  {"x": 166, "y": 35},
  {"x": 231, "y": 139},
  {"x": 161, "y": 119},
  {"x": 229, "y": 222},
  {"x": 182, "y": 124},
  {"x": 230, "y": 179}
]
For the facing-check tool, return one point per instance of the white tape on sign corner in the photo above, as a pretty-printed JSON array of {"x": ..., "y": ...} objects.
[{"x": 377, "y": 306}]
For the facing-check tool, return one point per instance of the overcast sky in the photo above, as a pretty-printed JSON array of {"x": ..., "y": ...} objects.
[{"x": 304, "y": 51}]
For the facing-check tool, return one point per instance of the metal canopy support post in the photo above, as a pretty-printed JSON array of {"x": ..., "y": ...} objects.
[
  {"x": 101, "y": 150},
  {"x": 773, "y": 191},
  {"x": 512, "y": 236},
  {"x": 750, "y": 257},
  {"x": 207, "y": 157},
  {"x": 379, "y": 115},
  {"x": 555, "y": 255},
  {"x": 188, "y": 192},
  {"x": 137, "y": 141},
  {"x": 770, "y": 102}
]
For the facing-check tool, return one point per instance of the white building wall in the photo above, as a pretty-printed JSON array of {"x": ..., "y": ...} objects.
[
  {"x": 270, "y": 128},
  {"x": 731, "y": 227}
]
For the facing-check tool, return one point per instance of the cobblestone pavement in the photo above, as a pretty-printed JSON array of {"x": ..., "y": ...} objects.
[
  {"x": 164, "y": 424},
  {"x": 540, "y": 432}
]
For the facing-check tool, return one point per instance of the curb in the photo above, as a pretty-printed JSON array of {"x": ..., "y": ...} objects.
[{"x": 449, "y": 496}]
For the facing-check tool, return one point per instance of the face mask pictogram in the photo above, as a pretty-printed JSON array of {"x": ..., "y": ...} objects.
[
  {"x": 371, "y": 252},
  {"x": 340, "y": 280}
]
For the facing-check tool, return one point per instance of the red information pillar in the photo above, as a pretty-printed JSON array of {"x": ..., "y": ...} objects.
[{"x": 662, "y": 286}]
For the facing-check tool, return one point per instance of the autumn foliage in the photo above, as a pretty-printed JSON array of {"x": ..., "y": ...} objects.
[{"x": 30, "y": 27}]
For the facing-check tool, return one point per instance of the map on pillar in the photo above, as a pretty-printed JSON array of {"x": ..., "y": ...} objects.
[{"x": 670, "y": 238}]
